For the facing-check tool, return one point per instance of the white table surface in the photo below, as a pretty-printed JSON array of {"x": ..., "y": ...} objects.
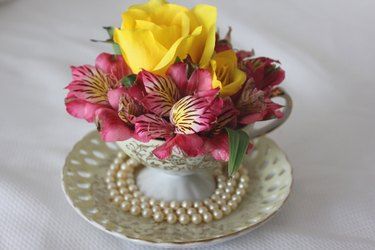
[{"x": 327, "y": 49}]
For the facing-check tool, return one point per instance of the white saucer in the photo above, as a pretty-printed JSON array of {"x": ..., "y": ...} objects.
[{"x": 83, "y": 182}]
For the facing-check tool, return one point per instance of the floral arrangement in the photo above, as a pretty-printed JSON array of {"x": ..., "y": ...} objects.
[{"x": 172, "y": 78}]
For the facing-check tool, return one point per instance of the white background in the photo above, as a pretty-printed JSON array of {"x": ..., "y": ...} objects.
[{"x": 327, "y": 49}]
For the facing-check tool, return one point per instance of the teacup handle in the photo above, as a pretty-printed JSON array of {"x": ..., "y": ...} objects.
[{"x": 277, "y": 92}]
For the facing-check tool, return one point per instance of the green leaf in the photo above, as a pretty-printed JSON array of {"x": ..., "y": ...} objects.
[
  {"x": 129, "y": 80},
  {"x": 238, "y": 143}
]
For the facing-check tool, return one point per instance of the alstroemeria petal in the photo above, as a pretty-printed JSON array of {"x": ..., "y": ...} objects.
[
  {"x": 200, "y": 80},
  {"x": 193, "y": 114},
  {"x": 110, "y": 126},
  {"x": 228, "y": 116},
  {"x": 161, "y": 91},
  {"x": 81, "y": 109},
  {"x": 114, "y": 96},
  {"x": 178, "y": 73},
  {"x": 151, "y": 126},
  {"x": 165, "y": 150},
  {"x": 129, "y": 109},
  {"x": 218, "y": 147},
  {"x": 191, "y": 145},
  {"x": 90, "y": 84},
  {"x": 113, "y": 65}
]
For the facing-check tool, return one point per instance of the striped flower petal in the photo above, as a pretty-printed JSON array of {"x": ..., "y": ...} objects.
[
  {"x": 90, "y": 84},
  {"x": 193, "y": 114},
  {"x": 129, "y": 109},
  {"x": 161, "y": 91},
  {"x": 227, "y": 117},
  {"x": 150, "y": 126}
]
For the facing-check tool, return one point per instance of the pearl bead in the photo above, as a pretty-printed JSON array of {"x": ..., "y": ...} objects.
[
  {"x": 229, "y": 190},
  {"x": 180, "y": 211},
  {"x": 120, "y": 155},
  {"x": 174, "y": 204},
  {"x": 202, "y": 210},
  {"x": 113, "y": 193},
  {"x": 125, "y": 206},
  {"x": 221, "y": 202},
  {"x": 145, "y": 205},
  {"x": 111, "y": 186},
  {"x": 244, "y": 179},
  {"x": 111, "y": 173},
  {"x": 221, "y": 185},
  {"x": 240, "y": 192},
  {"x": 135, "y": 210},
  {"x": 121, "y": 174},
  {"x": 133, "y": 188},
  {"x": 243, "y": 185},
  {"x": 196, "y": 219},
  {"x": 236, "y": 175},
  {"x": 118, "y": 199},
  {"x": 215, "y": 197},
  {"x": 221, "y": 178},
  {"x": 121, "y": 183},
  {"x": 218, "y": 192},
  {"x": 231, "y": 183},
  {"x": 226, "y": 209},
  {"x": 137, "y": 194},
  {"x": 225, "y": 197},
  {"x": 153, "y": 202},
  {"x": 186, "y": 204},
  {"x": 191, "y": 211},
  {"x": 213, "y": 206},
  {"x": 184, "y": 219},
  {"x": 207, "y": 202},
  {"x": 124, "y": 190},
  {"x": 168, "y": 210},
  {"x": 130, "y": 182},
  {"x": 207, "y": 217},
  {"x": 164, "y": 204},
  {"x": 114, "y": 167},
  {"x": 144, "y": 199},
  {"x": 128, "y": 197},
  {"x": 156, "y": 209},
  {"x": 109, "y": 179},
  {"x": 171, "y": 218},
  {"x": 218, "y": 214},
  {"x": 158, "y": 217},
  {"x": 197, "y": 204},
  {"x": 233, "y": 204},
  {"x": 135, "y": 202},
  {"x": 131, "y": 162},
  {"x": 236, "y": 198}
]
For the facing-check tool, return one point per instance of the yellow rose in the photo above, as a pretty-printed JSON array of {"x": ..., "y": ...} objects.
[
  {"x": 154, "y": 34},
  {"x": 226, "y": 74}
]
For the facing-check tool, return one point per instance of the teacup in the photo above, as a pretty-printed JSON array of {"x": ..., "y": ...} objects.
[{"x": 181, "y": 177}]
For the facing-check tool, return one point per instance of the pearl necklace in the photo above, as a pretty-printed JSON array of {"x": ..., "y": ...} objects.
[{"x": 125, "y": 193}]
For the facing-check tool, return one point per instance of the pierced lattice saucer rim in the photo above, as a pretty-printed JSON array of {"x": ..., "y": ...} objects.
[{"x": 220, "y": 237}]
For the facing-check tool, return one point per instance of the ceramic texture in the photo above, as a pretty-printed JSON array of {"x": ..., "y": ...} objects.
[
  {"x": 178, "y": 162},
  {"x": 84, "y": 184}
]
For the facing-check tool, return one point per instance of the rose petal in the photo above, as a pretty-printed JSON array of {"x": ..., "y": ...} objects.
[{"x": 110, "y": 126}]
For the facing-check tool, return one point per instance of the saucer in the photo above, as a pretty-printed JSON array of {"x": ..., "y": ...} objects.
[{"x": 83, "y": 181}]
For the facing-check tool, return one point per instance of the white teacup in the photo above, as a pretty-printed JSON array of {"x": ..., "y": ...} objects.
[{"x": 181, "y": 177}]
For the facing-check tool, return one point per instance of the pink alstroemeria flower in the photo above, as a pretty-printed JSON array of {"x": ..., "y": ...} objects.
[
  {"x": 179, "y": 106},
  {"x": 94, "y": 95}
]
